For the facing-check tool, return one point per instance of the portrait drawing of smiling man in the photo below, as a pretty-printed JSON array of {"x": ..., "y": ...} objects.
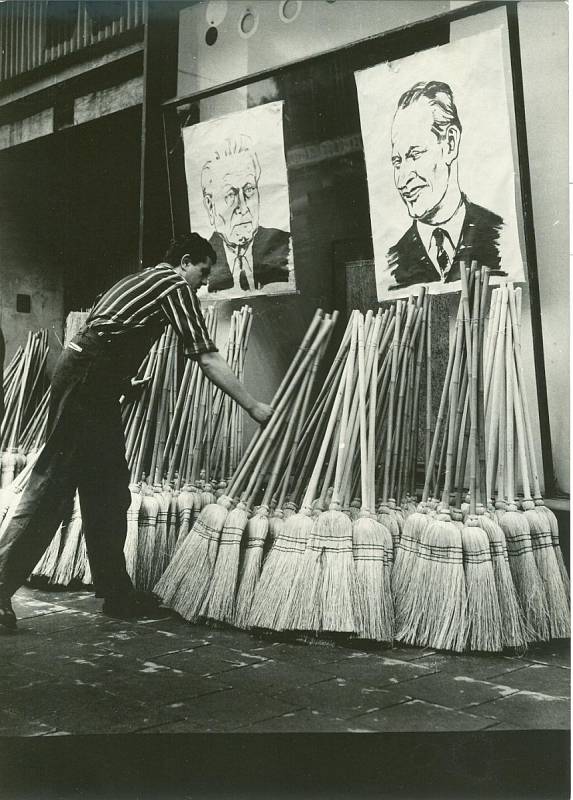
[{"x": 447, "y": 227}]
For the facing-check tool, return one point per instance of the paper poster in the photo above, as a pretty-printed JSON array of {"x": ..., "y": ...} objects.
[
  {"x": 442, "y": 180},
  {"x": 238, "y": 199}
]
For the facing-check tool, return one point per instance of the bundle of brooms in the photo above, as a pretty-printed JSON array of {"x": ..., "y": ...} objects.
[
  {"x": 464, "y": 586},
  {"x": 25, "y": 383},
  {"x": 328, "y": 571},
  {"x": 202, "y": 578}
]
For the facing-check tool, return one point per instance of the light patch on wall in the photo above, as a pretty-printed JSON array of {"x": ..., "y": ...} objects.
[
  {"x": 108, "y": 101},
  {"x": 24, "y": 130}
]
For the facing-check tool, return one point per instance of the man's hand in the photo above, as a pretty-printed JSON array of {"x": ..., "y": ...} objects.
[{"x": 261, "y": 413}]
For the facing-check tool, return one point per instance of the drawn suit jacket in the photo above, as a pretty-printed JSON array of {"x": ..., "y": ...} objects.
[
  {"x": 479, "y": 240},
  {"x": 270, "y": 259}
]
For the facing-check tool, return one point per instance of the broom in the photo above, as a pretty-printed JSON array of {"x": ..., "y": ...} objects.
[
  {"x": 219, "y": 601},
  {"x": 258, "y": 527},
  {"x": 276, "y": 592},
  {"x": 541, "y": 542},
  {"x": 185, "y": 582},
  {"x": 514, "y": 632},
  {"x": 526, "y": 578},
  {"x": 483, "y": 611},
  {"x": 540, "y": 507},
  {"x": 325, "y": 595},
  {"x": 371, "y": 541},
  {"x": 433, "y": 611}
]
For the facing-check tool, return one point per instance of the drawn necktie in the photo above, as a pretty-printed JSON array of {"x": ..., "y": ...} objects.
[
  {"x": 243, "y": 280},
  {"x": 442, "y": 257}
]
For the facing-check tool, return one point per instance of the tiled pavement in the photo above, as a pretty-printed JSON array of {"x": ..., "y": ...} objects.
[{"x": 70, "y": 670}]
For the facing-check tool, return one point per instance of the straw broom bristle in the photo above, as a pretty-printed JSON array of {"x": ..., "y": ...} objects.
[
  {"x": 514, "y": 632},
  {"x": 548, "y": 568},
  {"x": 65, "y": 567},
  {"x": 405, "y": 557},
  {"x": 276, "y": 524},
  {"x": 554, "y": 525},
  {"x": 257, "y": 530},
  {"x": 371, "y": 542},
  {"x": 436, "y": 611},
  {"x": 526, "y": 578},
  {"x": 172, "y": 525},
  {"x": 289, "y": 508},
  {"x": 185, "y": 503},
  {"x": 146, "y": 540},
  {"x": 483, "y": 611},
  {"x": 47, "y": 564},
  {"x": 219, "y": 603},
  {"x": 185, "y": 582},
  {"x": 389, "y": 520},
  {"x": 278, "y": 574},
  {"x": 326, "y": 595},
  {"x": 160, "y": 549},
  {"x": 131, "y": 539}
]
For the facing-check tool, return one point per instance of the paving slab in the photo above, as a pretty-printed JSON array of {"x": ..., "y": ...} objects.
[
  {"x": 455, "y": 691},
  {"x": 378, "y": 670},
  {"x": 343, "y": 698},
  {"x": 272, "y": 676},
  {"x": 557, "y": 654},
  {"x": 542, "y": 678},
  {"x": 477, "y": 665},
  {"x": 226, "y": 711},
  {"x": 13, "y": 723},
  {"x": 209, "y": 659},
  {"x": 529, "y": 710},
  {"x": 419, "y": 715}
]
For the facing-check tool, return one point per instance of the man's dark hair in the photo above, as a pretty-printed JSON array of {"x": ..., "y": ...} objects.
[
  {"x": 196, "y": 247},
  {"x": 441, "y": 98}
]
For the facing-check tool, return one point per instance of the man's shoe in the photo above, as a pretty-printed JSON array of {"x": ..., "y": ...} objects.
[
  {"x": 132, "y": 606},
  {"x": 7, "y": 616}
]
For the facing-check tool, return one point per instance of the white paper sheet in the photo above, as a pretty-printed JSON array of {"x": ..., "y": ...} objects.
[
  {"x": 238, "y": 199},
  {"x": 400, "y": 151}
]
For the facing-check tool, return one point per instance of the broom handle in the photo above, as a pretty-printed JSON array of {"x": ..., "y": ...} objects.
[
  {"x": 188, "y": 393},
  {"x": 362, "y": 412},
  {"x": 494, "y": 415},
  {"x": 299, "y": 355},
  {"x": 393, "y": 375},
  {"x": 254, "y": 444},
  {"x": 179, "y": 406},
  {"x": 533, "y": 473},
  {"x": 278, "y": 404},
  {"x": 441, "y": 411},
  {"x": 485, "y": 297},
  {"x": 402, "y": 432},
  {"x": 428, "y": 384},
  {"x": 509, "y": 406},
  {"x": 412, "y": 468},
  {"x": 155, "y": 388},
  {"x": 344, "y": 420},
  {"x": 286, "y": 441},
  {"x": 492, "y": 328},
  {"x": 521, "y": 434},
  {"x": 319, "y": 430},
  {"x": 351, "y": 475},
  {"x": 474, "y": 396},
  {"x": 313, "y": 483},
  {"x": 453, "y": 400},
  {"x": 302, "y": 416},
  {"x": 372, "y": 425}
]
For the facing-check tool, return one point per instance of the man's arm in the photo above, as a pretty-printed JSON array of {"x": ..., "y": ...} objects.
[{"x": 217, "y": 370}]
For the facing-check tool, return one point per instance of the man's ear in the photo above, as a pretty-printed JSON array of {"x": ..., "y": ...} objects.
[
  {"x": 452, "y": 143},
  {"x": 209, "y": 207},
  {"x": 185, "y": 261}
]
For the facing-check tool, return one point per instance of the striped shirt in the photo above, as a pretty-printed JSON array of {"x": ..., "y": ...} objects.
[{"x": 135, "y": 311}]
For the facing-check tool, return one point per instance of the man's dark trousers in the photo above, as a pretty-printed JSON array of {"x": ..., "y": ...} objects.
[{"x": 84, "y": 450}]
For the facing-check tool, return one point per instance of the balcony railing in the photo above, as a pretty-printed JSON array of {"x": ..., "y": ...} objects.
[{"x": 37, "y": 32}]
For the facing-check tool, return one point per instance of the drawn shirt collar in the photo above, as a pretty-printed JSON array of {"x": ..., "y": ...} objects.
[
  {"x": 233, "y": 261},
  {"x": 453, "y": 229}
]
